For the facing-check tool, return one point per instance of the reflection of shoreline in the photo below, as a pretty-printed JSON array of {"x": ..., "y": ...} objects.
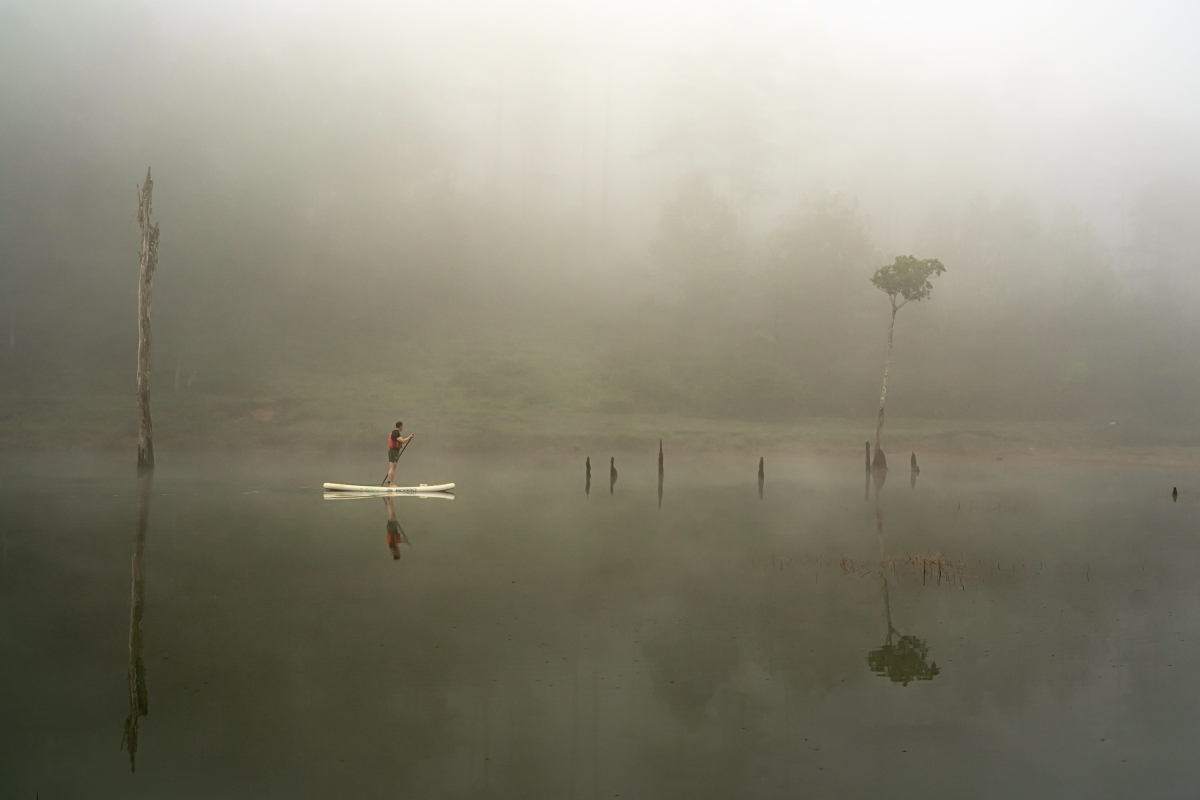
[{"x": 139, "y": 701}]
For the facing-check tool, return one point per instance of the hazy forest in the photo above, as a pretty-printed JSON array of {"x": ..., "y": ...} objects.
[{"x": 518, "y": 223}]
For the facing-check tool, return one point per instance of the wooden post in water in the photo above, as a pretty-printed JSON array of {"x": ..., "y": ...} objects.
[
  {"x": 761, "y": 477},
  {"x": 148, "y": 261},
  {"x": 868, "y": 444},
  {"x": 612, "y": 474},
  {"x": 587, "y": 481},
  {"x": 660, "y": 473}
]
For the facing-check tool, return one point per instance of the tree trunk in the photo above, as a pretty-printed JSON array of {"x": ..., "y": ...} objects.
[
  {"x": 880, "y": 459},
  {"x": 149, "y": 260}
]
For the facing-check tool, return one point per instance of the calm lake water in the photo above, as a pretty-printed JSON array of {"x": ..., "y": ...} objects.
[{"x": 996, "y": 630}]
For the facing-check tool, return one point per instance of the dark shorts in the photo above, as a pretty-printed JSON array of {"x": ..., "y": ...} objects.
[
  {"x": 394, "y": 455},
  {"x": 393, "y": 527}
]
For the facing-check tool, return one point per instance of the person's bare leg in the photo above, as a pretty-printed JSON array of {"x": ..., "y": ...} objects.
[{"x": 391, "y": 480}]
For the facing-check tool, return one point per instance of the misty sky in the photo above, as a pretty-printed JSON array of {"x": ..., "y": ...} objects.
[
  {"x": 1075, "y": 54},
  {"x": 534, "y": 147},
  {"x": 1073, "y": 103}
]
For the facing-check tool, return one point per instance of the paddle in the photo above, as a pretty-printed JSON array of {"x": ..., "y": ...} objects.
[{"x": 403, "y": 447}]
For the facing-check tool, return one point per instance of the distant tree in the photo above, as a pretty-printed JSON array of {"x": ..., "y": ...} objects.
[
  {"x": 815, "y": 256},
  {"x": 909, "y": 279},
  {"x": 698, "y": 242}
]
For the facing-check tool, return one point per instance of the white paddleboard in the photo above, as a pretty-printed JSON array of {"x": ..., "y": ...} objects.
[
  {"x": 377, "y": 495},
  {"x": 422, "y": 489}
]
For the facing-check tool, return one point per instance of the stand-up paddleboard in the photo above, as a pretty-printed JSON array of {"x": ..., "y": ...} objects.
[
  {"x": 422, "y": 489},
  {"x": 377, "y": 495}
]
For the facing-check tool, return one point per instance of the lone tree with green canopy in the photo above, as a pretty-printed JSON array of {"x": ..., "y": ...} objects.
[{"x": 904, "y": 280}]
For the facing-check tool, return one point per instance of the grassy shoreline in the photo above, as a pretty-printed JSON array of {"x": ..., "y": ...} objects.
[{"x": 190, "y": 423}]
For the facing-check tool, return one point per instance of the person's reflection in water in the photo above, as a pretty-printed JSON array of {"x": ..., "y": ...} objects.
[
  {"x": 139, "y": 700},
  {"x": 395, "y": 534}
]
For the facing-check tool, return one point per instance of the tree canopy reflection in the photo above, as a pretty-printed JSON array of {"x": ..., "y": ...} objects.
[{"x": 901, "y": 659}]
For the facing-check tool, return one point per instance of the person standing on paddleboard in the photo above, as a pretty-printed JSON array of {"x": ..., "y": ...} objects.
[{"x": 396, "y": 442}]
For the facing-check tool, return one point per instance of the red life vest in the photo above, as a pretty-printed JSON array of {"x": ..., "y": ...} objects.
[{"x": 394, "y": 442}]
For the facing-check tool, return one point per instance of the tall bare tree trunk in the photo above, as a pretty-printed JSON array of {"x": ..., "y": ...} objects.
[
  {"x": 880, "y": 458},
  {"x": 149, "y": 260}
]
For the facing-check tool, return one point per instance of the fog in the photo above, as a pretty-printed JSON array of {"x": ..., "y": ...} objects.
[{"x": 665, "y": 208}]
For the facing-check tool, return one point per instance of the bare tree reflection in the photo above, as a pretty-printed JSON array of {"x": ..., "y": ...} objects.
[{"x": 139, "y": 701}]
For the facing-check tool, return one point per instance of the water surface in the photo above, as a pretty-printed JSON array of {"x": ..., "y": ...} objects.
[{"x": 995, "y": 630}]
